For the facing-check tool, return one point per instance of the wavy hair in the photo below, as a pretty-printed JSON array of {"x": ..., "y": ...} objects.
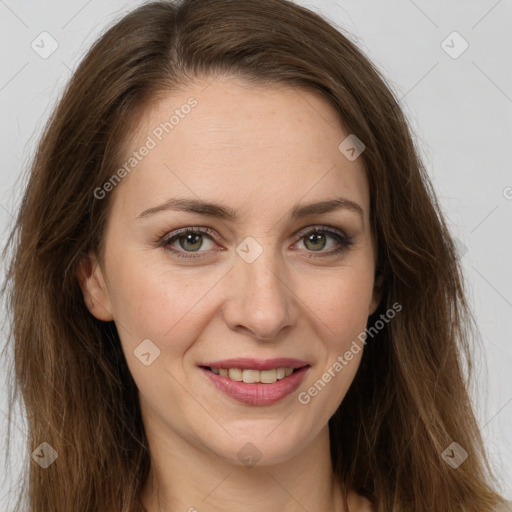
[{"x": 409, "y": 399}]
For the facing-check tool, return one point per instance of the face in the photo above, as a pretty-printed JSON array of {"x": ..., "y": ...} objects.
[{"x": 258, "y": 278}]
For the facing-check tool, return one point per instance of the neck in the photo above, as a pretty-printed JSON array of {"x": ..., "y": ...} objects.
[{"x": 187, "y": 477}]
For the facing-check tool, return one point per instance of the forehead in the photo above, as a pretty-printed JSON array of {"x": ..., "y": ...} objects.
[{"x": 247, "y": 146}]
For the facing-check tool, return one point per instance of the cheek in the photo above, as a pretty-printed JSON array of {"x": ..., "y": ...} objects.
[
  {"x": 151, "y": 303},
  {"x": 168, "y": 306},
  {"x": 341, "y": 309},
  {"x": 341, "y": 300}
]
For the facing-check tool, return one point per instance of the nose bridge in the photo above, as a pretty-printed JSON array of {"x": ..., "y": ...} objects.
[
  {"x": 262, "y": 301},
  {"x": 263, "y": 273}
]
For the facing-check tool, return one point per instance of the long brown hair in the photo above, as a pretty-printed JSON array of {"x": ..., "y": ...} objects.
[{"x": 409, "y": 400}]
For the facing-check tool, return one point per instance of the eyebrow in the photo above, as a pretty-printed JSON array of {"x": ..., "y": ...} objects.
[{"x": 223, "y": 212}]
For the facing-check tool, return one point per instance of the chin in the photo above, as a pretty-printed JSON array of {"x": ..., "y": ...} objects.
[{"x": 261, "y": 448}]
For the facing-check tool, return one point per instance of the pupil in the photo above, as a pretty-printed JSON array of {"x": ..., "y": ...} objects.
[
  {"x": 313, "y": 237},
  {"x": 188, "y": 239}
]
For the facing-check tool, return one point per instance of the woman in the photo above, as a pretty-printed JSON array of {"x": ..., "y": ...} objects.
[{"x": 254, "y": 374}]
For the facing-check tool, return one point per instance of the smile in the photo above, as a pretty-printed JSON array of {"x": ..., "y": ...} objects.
[
  {"x": 256, "y": 382},
  {"x": 253, "y": 376}
]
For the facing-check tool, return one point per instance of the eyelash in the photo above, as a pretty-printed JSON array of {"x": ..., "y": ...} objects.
[{"x": 343, "y": 240}]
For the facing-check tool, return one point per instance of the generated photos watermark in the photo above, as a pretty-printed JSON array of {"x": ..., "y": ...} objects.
[
  {"x": 157, "y": 135},
  {"x": 341, "y": 361}
]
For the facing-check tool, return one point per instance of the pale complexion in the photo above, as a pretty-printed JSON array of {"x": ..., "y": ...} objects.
[{"x": 258, "y": 150}]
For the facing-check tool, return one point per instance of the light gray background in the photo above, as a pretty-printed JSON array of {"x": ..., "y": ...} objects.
[{"x": 460, "y": 109}]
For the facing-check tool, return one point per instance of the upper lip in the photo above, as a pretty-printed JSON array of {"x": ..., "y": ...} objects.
[{"x": 257, "y": 364}]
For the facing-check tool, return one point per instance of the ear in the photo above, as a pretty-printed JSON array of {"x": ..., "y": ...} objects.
[
  {"x": 94, "y": 289},
  {"x": 377, "y": 292}
]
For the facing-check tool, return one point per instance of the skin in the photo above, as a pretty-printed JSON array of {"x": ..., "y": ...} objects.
[{"x": 259, "y": 150}]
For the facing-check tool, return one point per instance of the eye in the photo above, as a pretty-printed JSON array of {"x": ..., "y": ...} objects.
[
  {"x": 315, "y": 240},
  {"x": 184, "y": 242},
  {"x": 188, "y": 240}
]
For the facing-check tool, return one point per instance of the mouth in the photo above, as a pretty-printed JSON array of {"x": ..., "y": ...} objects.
[
  {"x": 253, "y": 376},
  {"x": 256, "y": 382}
]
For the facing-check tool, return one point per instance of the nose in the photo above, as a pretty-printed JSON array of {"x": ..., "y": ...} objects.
[{"x": 260, "y": 302}]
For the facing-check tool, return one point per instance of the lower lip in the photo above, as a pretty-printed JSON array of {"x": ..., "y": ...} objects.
[{"x": 258, "y": 393}]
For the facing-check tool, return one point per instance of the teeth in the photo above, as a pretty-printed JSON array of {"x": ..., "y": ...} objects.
[
  {"x": 235, "y": 374},
  {"x": 251, "y": 376},
  {"x": 268, "y": 376},
  {"x": 254, "y": 376}
]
